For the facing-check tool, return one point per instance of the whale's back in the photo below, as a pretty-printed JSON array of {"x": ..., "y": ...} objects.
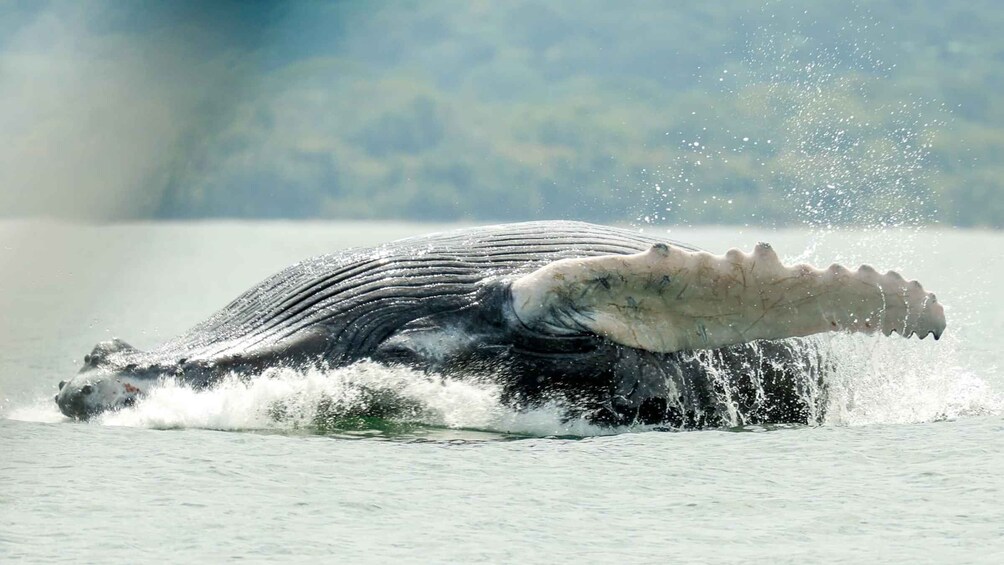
[{"x": 358, "y": 297}]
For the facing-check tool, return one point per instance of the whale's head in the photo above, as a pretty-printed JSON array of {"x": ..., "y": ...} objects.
[
  {"x": 93, "y": 392},
  {"x": 107, "y": 381}
]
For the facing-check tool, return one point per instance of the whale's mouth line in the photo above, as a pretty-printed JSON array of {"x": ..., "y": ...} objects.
[{"x": 91, "y": 413}]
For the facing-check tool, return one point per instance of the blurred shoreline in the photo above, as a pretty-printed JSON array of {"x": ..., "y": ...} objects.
[{"x": 736, "y": 113}]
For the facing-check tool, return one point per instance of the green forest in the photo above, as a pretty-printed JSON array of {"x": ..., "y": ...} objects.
[{"x": 828, "y": 113}]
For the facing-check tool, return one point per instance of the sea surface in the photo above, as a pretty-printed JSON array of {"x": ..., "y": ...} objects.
[{"x": 907, "y": 468}]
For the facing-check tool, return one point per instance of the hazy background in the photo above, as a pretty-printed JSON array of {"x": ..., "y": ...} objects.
[{"x": 774, "y": 113}]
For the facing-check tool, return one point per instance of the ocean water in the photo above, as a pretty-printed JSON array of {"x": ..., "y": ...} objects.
[{"x": 906, "y": 468}]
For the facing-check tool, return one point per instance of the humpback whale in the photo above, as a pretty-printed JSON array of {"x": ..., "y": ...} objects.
[{"x": 619, "y": 326}]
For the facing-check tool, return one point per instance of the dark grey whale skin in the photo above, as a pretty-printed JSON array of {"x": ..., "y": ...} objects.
[{"x": 441, "y": 303}]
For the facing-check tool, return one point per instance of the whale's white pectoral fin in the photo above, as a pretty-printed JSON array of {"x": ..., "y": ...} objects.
[{"x": 670, "y": 299}]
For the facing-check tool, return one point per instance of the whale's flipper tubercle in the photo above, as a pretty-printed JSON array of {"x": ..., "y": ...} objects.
[{"x": 671, "y": 299}]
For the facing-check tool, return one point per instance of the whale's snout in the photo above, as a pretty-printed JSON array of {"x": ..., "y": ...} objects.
[
  {"x": 72, "y": 401},
  {"x": 88, "y": 395}
]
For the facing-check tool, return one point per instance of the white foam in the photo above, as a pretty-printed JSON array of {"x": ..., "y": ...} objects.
[
  {"x": 284, "y": 399},
  {"x": 873, "y": 380},
  {"x": 42, "y": 410},
  {"x": 903, "y": 381}
]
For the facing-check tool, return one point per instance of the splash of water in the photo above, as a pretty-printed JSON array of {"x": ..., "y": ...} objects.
[
  {"x": 798, "y": 134},
  {"x": 360, "y": 397},
  {"x": 367, "y": 397},
  {"x": 884, "y": 382},
  {"x": 802, "y": 127}
]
